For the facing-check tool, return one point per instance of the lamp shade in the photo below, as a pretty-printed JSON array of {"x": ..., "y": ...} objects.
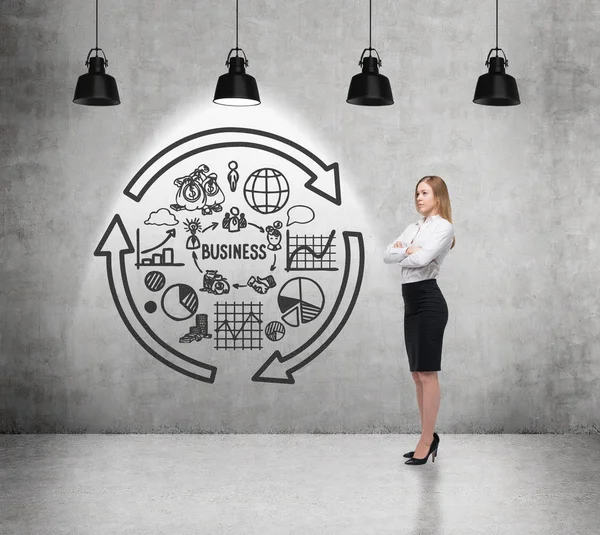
[
  {"x": 236, "y": 88},
  {"x": 96, "y": 88},
  {"x": 369, "y": 88},
  {"x": 496, "y": 88}
]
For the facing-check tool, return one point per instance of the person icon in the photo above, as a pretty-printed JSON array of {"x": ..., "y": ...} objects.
[
  {"x": 243, "y": 220},
  {"x": 233, "y": 176},
  {"x": 274, "y": 236},
  {"x": 234, "y": 222},
  {"x": 192, "y": 226}
]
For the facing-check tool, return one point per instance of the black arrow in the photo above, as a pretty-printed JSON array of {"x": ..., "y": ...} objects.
[
  {"x": 331, "y": 171},
  {"x": 170, "y": 234},
  {"x": 212, "y": 226},
  {"x": 275, "y": 369},
  {"x": 257, "y": 226},
  {"x": 195, "y": 257},
  {"x": 117, "y": 234}
]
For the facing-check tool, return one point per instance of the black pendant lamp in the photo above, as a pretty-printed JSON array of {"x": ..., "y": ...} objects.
[
  {"x": 496, "y": 88},
  {"x": 236, "y": 88},
  {"x": 96, "y": 88},
  {"x": 369, "y": 88}
]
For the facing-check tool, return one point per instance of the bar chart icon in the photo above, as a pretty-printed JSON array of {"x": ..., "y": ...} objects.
[{"x": 164, "y": 258}]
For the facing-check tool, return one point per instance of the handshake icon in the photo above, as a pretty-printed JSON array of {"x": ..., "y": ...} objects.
[{"x": 261, "y": 285}]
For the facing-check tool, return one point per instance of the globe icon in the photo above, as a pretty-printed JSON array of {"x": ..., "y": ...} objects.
[{"x": 266, "y": 190}]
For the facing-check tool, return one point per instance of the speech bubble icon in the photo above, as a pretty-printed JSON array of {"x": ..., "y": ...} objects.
[{"x": 300, "y": 214}]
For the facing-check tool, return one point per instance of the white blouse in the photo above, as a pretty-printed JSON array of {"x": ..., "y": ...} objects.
[{"x": 434, "y": 235}]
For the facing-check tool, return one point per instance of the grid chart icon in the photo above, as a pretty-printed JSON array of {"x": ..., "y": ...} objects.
[
  {"x": 238, "y": 325},
  {"x": 310, "y": 253}
]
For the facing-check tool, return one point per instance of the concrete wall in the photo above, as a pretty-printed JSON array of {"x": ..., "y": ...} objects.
[{"x": 521, "y": 349}]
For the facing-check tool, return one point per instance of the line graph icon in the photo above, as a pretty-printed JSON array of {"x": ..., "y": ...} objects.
[
  {"x": 238, "y": 325},
  {"x": 310, "y": 253}
]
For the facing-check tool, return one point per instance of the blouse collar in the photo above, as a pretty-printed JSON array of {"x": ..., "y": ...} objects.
[{"x": 430, "y": 218}]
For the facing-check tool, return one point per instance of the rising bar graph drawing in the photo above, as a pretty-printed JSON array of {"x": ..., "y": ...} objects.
[{"x": 163, "y": 259}]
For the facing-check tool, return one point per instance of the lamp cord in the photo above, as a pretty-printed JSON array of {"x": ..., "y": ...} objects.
[
  {"x": 496, "y": 28},
  {"x": 236, "y": 29},
  {"x": 369, "y": 28},
  {"x": 96, "y": 28}
]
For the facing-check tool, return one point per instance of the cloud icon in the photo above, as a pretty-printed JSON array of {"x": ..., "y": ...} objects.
[{"x": 161, "y": 217}]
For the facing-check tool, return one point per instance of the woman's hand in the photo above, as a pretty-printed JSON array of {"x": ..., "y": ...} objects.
[{"x": 411, "y": 249}]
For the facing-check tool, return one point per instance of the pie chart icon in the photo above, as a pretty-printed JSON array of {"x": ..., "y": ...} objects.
[
  {"x": 300, "y": 301},
  {"x": 180, "y": 302}
]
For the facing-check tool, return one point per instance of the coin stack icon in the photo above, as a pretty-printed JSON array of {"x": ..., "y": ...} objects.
[{"x": 197, "y": 332}]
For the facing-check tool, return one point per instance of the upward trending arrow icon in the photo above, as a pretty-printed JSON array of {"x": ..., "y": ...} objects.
[{"x": 116, "y": 241}]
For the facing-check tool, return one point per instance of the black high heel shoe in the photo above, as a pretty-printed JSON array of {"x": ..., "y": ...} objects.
[
  {"x": 432, "y": 451},
  {"x": 410, "y": 454}
]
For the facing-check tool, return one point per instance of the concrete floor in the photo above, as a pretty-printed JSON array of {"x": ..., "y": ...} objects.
[{"x": 298, "y": 484}]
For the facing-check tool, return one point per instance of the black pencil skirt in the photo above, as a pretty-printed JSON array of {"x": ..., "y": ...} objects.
[{"x": 425, "y": 318}]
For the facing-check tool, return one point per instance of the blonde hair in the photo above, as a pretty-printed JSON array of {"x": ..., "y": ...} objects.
[{"x": 440, "y": 193}]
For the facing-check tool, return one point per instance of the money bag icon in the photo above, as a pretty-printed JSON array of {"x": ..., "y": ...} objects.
[
  {"x": 191, "y": 194},
  {"x": 214, "y": 194}
]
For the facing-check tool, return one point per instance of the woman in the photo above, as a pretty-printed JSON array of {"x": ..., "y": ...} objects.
[{"x": 420, "y": 251}]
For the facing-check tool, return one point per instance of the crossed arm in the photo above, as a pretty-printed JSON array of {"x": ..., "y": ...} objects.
[
  {"x": 395, "y": 252},
  {"x": 435, "y": 244}
]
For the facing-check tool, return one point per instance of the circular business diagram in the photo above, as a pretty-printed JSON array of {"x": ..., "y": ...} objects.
[
  {"x": 179, "y": 302},
  {"x": 300, "y": 301},
  {"x": 266, "y": 191},
  {"x": 275, "y": 331}
]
